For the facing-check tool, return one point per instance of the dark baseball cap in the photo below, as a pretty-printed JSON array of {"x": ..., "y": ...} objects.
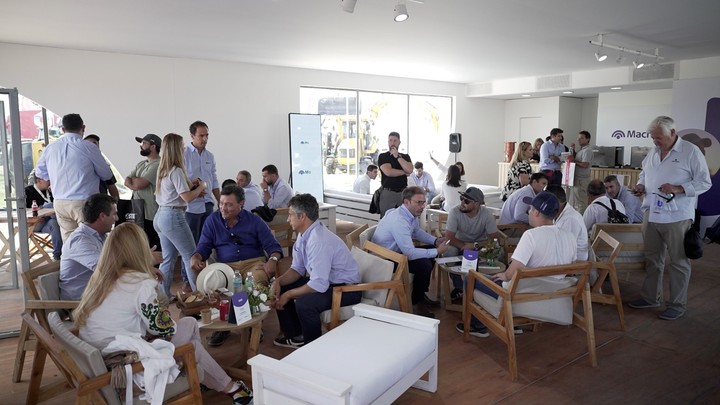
[
  {"x": 93, "y": 136},
  {"x": 473, "y": 193},
  {"x": 152, "y": 139},
  {"x": 545, "y": 202}
]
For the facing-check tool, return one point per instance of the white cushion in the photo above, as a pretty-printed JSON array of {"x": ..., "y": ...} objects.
[
  {"x": 372, "y": 269},
  {"x": 556, "y": 310},
  {"x": 369, "y": 354},
  {"x": 367, "y": 235}
]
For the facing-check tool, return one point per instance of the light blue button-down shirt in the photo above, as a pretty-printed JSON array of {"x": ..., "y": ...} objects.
[
  {"x": 323, "y": 256},
  {"x": 397, "y": 230},
  {"x": 684, "y": 165},
  {"x": 73, "y": 166},
  {"x": 280, "y": 194},
  {"x": 547, "y": 150},
  {"x": 202, "y": 166},
  {"x": 80, "y": 255}
]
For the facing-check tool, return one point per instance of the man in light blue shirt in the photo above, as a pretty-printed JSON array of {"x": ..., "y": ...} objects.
[
  {"x": 396, "y": 232},
  {"x": 200, "y": 164},
  {"x": 550, "y": 153},
  {"x": 276, "y": 192},
  {"x": 74, "y": 168},
  {"x": 81, "y": 250},
  {"x": 673, "y": 175},
  {"x": 422, "y": 179},
  {"x": 253, "y": 195},
  {"x": 320, "y": 261},
  {"x": 514, "y": 209},
  {"x": 633, "y": 205}
]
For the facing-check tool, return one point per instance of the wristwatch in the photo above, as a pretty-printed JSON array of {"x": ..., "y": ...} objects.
[
  {"x": 274, "y": 258},
  {"x": 265, "y": 190},
  {"x": 476, "y": 246}
]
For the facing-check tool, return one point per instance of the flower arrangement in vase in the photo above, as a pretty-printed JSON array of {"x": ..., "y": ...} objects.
[
  {"x": 490, "y": 252},
  {"x": 258, "y": 296}
]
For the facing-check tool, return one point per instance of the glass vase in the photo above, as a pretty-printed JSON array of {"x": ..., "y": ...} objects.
[
  {"x": 255, "y": 310},
  {"x": 491, "y": 261}
]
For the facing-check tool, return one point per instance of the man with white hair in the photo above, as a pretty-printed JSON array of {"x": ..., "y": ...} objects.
[{"x": 673, "y": 174}]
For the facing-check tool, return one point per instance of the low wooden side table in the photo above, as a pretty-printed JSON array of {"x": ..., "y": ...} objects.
[
  {"x": 445, "y": 282},
  {"x": 248, "y": 344}
]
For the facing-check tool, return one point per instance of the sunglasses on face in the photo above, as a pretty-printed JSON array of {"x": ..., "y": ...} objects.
[
  {"x": 467, "y": 200},
  {"x": 236, "y": 239}
]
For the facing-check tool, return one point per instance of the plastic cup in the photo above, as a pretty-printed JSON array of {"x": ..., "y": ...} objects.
[
  {"x": 224, "y": 308},
  {"x": 206, "y": 315}
]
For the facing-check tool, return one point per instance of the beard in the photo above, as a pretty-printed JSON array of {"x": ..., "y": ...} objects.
[{"x": 144, "y": 152}]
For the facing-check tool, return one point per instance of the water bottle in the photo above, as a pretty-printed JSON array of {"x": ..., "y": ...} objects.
[
  {"x": 237, "y": 282},
  {"x": 35, "y": 208},
  {"x": 250, "y": 281}
]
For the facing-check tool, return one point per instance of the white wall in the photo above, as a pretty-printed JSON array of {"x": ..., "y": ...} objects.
[
  {"x": 589, "y": 117},
  {"x": 627, "y": 112},
  {"x": 570, "y": 118},
  {"x": 246, "y": 106},
  {"x": 528, "y": 119}
]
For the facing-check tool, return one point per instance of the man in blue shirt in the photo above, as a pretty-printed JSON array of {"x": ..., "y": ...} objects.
[
  {"x": 74, "y": 168},
  {"x": 200, "y": 164},
  {"x": 241, "y": 239},
  {"x": 276, "y": 193},
  {"x": 550, "y": 153},
  {"x": 81, "y": 250},
  {"x": 396, "y": 231},
  {"x": 320, "y": 261}
]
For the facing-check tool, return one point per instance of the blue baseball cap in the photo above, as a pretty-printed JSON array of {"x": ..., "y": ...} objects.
[{"x": 545, "y": 202}]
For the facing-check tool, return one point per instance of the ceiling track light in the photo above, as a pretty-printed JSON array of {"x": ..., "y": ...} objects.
[
  {"x": 348, "y": 5},
  {"x": 637, "y": 63},
  {"x": 600, "y": 56},
  {"x": 401, "y": 13}
]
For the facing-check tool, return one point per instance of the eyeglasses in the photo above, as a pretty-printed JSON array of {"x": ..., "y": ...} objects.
[
  {"x": 467, "y": 200},
  {"x": 669, "y": 197},
  {"x": 420, "y": 203},
  {"x": 236, "y": 239}
]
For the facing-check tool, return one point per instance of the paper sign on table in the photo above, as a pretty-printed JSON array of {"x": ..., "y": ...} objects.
[
  {"x": 241, "y": 309},
  {"x": 470, "y": 260}
]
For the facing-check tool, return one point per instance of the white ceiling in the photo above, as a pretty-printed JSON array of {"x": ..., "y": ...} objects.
[{"x": 464, "y": 41}]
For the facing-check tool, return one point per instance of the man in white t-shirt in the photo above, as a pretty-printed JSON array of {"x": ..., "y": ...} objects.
[
  {"x": 596, "y": 213},
  {"x": 570, "y": 220},
  {"x": 545, "y": 244},
  {"x": 362, "y": 183},
  {"x": 469, "y": 226}
]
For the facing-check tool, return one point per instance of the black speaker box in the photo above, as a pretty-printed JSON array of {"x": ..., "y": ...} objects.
[{"x": 455, "y": 143}]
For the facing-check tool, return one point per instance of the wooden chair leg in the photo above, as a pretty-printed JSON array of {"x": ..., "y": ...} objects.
[
  {"x": 618, "y": 298},
  {"x": 589, "y": 325},
  {"x": 36, "y": 375},
  {"x": 21, "y": 350}
]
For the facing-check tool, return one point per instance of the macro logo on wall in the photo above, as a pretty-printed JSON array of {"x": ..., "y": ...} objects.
[{"x": 618, "y": 134}]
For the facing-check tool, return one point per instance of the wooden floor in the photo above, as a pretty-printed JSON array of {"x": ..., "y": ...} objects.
[{"x": 653, "y": 362}]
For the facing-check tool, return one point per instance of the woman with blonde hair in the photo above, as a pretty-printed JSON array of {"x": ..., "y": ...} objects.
[
  {"x": 520, "y": 170},
  {"x": 122, "y": 299},
  {"x": 536, "y": 149},
  {"x": 173, "y": 191}
]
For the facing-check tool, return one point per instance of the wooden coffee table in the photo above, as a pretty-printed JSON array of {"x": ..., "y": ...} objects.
[
  {"x": 445, "y": 283},
  {"x": 248, "y": 344}
]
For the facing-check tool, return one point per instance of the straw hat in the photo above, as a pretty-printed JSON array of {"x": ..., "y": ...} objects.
[{"x": 214, "y": 276}]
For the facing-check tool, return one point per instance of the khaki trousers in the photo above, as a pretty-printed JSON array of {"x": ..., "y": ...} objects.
[
  {"x": 579, "y": 195},
  {"x": 660, "y": 238},
  {"x": 69, "y": 215},
  {"x": 255, "y": 265}
]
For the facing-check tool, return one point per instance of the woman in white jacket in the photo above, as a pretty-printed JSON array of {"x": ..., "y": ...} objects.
[{"x": 122, "y": 299}]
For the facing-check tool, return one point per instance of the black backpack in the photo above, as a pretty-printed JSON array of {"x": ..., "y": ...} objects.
[{"x": 614, "y": 216}]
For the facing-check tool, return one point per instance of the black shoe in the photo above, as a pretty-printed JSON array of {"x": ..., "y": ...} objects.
[
  {"x": 477, "y": 332},
  {"x": 430, "y": 302},
  {"x": 422, "y": 311},
  {"x": 291, "y": 343},
  {"x": 217, "y": 338},
  {"x": 456, "y": 294}
]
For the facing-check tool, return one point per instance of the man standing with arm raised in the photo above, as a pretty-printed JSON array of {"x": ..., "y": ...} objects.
[{"x": 395, "y": 167}]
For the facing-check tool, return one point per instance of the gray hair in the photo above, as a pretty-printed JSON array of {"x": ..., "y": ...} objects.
[
  {"x": 305, "y": 204},
  {"x": 665, "y": 123}
]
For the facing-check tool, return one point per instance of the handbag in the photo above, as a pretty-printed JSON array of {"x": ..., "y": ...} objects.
[
  {"x": 131, "y": 211},
  {"x": 693, "y": 242}
]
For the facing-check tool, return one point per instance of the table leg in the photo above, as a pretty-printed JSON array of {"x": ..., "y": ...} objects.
[{"x": 249, "y": 347}]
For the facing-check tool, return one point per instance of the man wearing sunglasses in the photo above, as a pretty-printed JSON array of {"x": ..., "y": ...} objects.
[
  {"x": 673, "y": 174},
  {"x": 469, "y": 226},
  {"x": 396, "y": 232}
]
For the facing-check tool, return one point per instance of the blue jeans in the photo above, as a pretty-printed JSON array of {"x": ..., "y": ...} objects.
[
  {"x": 175, "y": 239},
  {"x": 196, "y": 222},
  {"x": 51, "y": 226}
]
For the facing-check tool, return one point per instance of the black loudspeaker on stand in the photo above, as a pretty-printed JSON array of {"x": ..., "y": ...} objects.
[{"x": 455, "y": 143}]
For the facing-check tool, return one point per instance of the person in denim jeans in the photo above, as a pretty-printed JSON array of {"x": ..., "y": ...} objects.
[{"x": 174, "y": 190}]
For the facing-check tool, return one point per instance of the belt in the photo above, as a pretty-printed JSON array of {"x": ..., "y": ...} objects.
[
  {"x": 394, "y": 190},
  {"x": 173, "y": 207}
]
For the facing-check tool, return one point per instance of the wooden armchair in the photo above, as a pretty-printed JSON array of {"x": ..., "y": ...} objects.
[
  {"x": 632, "y": 253},
  {"x": 354, "y": 236},
  {"x": 605, "y": 266},
  {"x": 510, "y": 235},
  {"x": 282, "y": 230},
  {"x": 377, "y": 283},
  {"x": 532, "y": 297},
  {"x": 87, "y": 372},
  {"x": 42, "y": 293},
  {"x": 402, "y": 270}
]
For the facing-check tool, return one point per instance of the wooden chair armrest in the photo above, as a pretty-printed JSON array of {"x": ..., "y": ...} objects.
[
  {"x": 477, "y": 276},
  {"x": 339, "y": 290},
  {"x": 51, "y": 304}
]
